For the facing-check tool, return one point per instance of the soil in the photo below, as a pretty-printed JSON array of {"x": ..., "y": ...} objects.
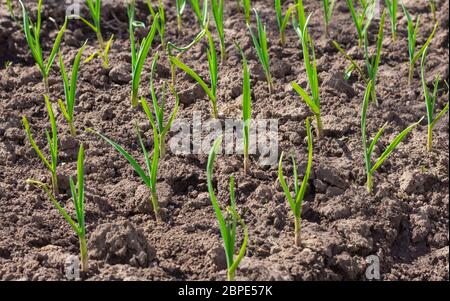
[{"x": 404, "y": 222}]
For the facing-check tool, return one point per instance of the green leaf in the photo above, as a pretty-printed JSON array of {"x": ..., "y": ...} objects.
[
  {"x": 314, "y": 108},
  {"x": 393, "y": 145},
  {"x": 127, "y": 156}
]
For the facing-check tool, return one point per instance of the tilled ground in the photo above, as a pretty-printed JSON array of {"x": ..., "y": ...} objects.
[{"x": 404, "y": 222}]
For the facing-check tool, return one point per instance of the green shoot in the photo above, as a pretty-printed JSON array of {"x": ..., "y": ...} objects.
[
  {"x": 296, "y": 202},
  {"x": 260, "y": 42},
  {"x": 227, "y": 226},
  {"x": 217, "y": 10},
  {"x": 430, "y": 102},
  {"x": 150, "y": 177},
  {"x": 181, "y": 50},
  {"x": 158, "y": 106},
  {"x": 313, "y": 100},
  {"x": 372, "y": 62},
  {"x": 328, "y": 7},
  {"x": 70, "y": 90},
  {"x": 94, "y": 8},
  {"x": 433, "y": 9},
  {"x": 180, "y": 5},
  {"x": 392, "y": 6},
  {"x": 138, "y": 57},
  {"x": 11, "y": 10},
  {"x": 78, "y": 200},
  {"x": 161, "y": 27},
  {"x": 353, "y": 64},
  {"x": 212, "y": 60},
  {"x": 52, "y": 141},
  {"x": 246, "y": 107},
  {"x": 200, "y": 12},
  {"x": 247, "y": 10},
  {"x": 282, "y": 21},
  {"x": 412, "y": 36},
  {"x": 33, "y": 37},
  {"x": 362, "y": 18},
  {"x": 368, "y": 149}
]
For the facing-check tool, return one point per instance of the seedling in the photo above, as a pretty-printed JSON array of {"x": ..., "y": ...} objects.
[
  {"x": 246, "y": 107},
  {"x": 70, "y": 89},
  {"x": 363, "y": 17},
  {"x": 78, "y": 200},
  {"x": 181, "y": 50},
  {"x": 200, "y": 12},
  {"x": 432, "y": 5},
  {"x": 282, "y": 21},
  {"x": 353, "y": 65},
  {"x": 392, "y": 6},
  {"x": 247, "y": 10},
  {"x": 217, "y": 10},
  {"x": 368, "y": 149},
  {"x": 213, "y": 73},
  {"x": 94, "y": 8},
  {"x": 11, "y": 10},
  {"x": 227, "y": 226},
  {"x": 296, "y": 201},
  {"x": 33, "y": 37},
  {"x": 430, "y": 102},
  {"x": 138, "y": 57},
  {"x": 328, "y": 7},
  {"x": 180, "y": 5},
  {"x": 52, "y": 141},
  {"x": 161, "y": 27},
  {"x": 158, "y": 106},
  {"x": 313, "y": 100},
  {"x": 150, "y": 177},
  {"x": 372, "y": 62},
  {"x": 412, "y": 36},
  {"x": 260, "y": 42}
]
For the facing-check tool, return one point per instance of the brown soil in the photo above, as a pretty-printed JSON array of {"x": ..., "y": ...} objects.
[{"x": 404, "y": 222}]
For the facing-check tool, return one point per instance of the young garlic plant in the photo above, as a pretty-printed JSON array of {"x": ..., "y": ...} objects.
[
  {"x": 328, "y": 8},
  {"x": 33, "y": 37},
  {"x": 150, "y": 177},
  {"x": 180, "y": 6},
  {"x": 159, "y": 105},
  {"x": 412, "y": 37},
  {"x": 11, "y": 10},
  {"x": 260, "y": 42},
  {"x": 78, "y": 200},
  {"x": 430, "y": 103},
  {"x": 282, "y": 21},
  {"x": 228, "y": 226},
  {"x": 138, "y": 56},
  {"x": 313, "y": 100},
  {"x": 70, "y": 90},
  {"x": 52, "y": 140},
  {"x": 94, "y": 8},
  {"x": 200, "y": 11},
  {"x": 392, "y": 6},
  {"x": 296, "y": 201},
  {"x": 217, "y": 10},
  {"x": 246, "y": 107},
  {"x": 247, "y": 10},
  {"x": 213, "y": 73},
  {"x": 373, "y": 61},
  {"x": 171, "y": 48},
  {"x": 368, "y": 148},
  {"x": 363, "y": 17},
  {"x": 161, "y": 26}
]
